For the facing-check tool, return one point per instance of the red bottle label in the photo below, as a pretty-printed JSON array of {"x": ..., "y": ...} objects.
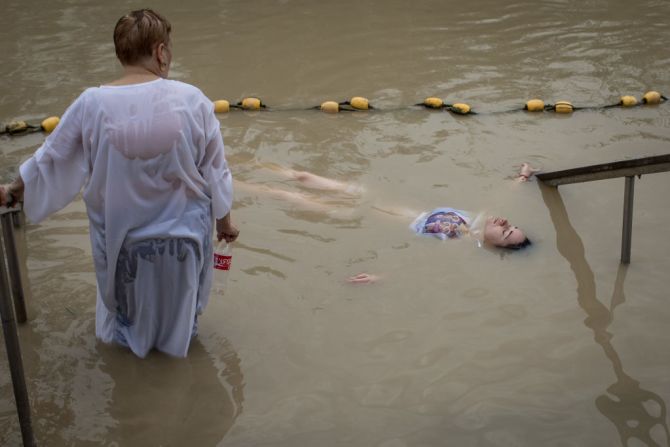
[{"x": 222, "y": 262}]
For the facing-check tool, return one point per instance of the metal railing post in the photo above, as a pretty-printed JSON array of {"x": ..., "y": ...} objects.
[
  {"x": 627, "y": 228},
  {"x": 624, "y": 168},
  {"x": 13, "y": 267},
  {"x": 13, "y": 348}
]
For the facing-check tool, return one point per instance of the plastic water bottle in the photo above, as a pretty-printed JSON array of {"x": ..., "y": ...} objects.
[{"x": 223, "y": 257}]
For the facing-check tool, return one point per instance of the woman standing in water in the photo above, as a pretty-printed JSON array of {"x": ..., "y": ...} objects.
[{"x": 149, "y": 155}]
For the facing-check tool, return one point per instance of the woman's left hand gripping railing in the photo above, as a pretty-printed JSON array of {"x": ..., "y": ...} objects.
[{"x": 13, "y": 292}]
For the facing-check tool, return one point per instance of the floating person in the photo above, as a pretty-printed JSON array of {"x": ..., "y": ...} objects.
[
  {"x": 443, "y": 223},
  {"x": 450, "y": 223},
  {"x": 149, "y": 155}
]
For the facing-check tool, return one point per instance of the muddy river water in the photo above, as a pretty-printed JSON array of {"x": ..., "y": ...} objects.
[{"x": 554, "y": 345}]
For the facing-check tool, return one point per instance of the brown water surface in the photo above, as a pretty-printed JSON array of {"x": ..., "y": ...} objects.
[{"x": 556, "y": 345}]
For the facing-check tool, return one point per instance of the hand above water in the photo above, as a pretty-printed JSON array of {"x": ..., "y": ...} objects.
[
  {"x": 230, "y": 233},
  {"x": 526, "y": 172},
  {"x": 226, "y": 230},
  {"x": 363, "y": 278}
]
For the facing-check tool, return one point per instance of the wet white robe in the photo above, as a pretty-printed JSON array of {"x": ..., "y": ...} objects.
[{"x": 151, "y": 162}]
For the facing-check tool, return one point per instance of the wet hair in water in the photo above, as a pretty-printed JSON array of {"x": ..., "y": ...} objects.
[
  {"x": 137, "y": 33},
  {"x": 525, "y": 243}
]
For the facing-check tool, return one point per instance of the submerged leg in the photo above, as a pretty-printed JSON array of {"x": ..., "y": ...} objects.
[
  {"x": 311, "y": 180},
  {"x": 290, "y": 196}
]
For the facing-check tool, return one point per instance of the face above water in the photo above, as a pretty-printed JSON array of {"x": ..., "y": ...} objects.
[{"x": 500, "y": 233}]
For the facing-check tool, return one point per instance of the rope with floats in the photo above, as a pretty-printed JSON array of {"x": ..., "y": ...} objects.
[
  {"x": 21, "y": 127},
  {"x": 359, "y": 103}
]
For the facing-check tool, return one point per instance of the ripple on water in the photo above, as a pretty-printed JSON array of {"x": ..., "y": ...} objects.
[{"x": 475, "y": 292}]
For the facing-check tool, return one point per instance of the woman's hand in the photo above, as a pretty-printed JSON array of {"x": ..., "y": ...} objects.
[
  {"x": 226, "y": 230},
  {"x": 12, "y": 193},
  {"x": 4, "y": 195},
  {"x": 526, "y": 172}
]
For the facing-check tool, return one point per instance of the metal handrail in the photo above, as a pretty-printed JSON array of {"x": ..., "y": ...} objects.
[
  {"x": 11, "y": 286},
  {"x": 625, "y": 168},
  {"x": 11, "y": 219}
]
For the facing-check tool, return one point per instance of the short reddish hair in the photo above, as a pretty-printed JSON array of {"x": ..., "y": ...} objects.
[{"x": 137, "y": 33}]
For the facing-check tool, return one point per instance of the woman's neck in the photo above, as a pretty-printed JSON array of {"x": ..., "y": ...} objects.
[{"x": 135, "y": 74}]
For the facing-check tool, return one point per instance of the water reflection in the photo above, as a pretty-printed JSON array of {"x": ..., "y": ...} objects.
[
  {"x": 84, "y": 392},
  {"x": 155, "y": 399},
  {"x": 637, "y": 414}
]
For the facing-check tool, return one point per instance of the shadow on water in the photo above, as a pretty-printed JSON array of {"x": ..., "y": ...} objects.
[
  {"x": 173, "y": 402},
  {"x": 625, "y": 404}
]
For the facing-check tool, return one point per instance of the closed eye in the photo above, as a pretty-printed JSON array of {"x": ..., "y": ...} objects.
[{"x": 505, "y": 236}]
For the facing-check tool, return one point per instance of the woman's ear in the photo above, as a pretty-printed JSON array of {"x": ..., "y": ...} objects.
[
  {"x": 163, "y": 57},
  {"x": 161, "y": 54}
]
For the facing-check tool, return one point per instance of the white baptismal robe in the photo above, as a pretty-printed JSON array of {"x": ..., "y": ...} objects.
[{"x": 151, "y": 162}]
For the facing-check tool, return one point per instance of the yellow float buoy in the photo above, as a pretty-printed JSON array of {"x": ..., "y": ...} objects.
[
  {"x": 535, "y": 105},
  {"x": 628, "y": 101},
  {"x": 651, "y": 97},
  {"x": 251, "y": 104},
  {"x": 460, "y": 108},
  {"x": 221, "y": 106},
  {"x": 563, "y": 107},
  {"x": 359, "y": 103},
  {"x": 49, "y": 124},
  {"x": 433, "y": 102},
  {"x": 330, "y": 107}
]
